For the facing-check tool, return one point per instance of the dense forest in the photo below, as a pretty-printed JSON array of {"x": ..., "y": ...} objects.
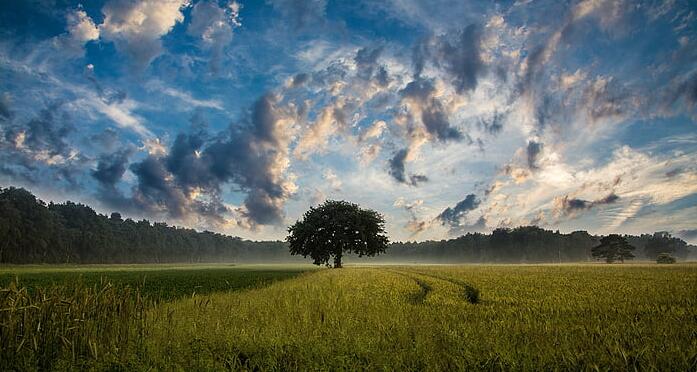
[{"x": 32, "y": 231}]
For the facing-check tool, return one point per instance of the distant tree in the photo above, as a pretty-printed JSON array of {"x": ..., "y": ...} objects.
[
  {"x": 613, "y": 248},
  {"x": 663, "y": 242},
  {"x": 665, "y": 258},
  {"x": 335, "y": 228}
]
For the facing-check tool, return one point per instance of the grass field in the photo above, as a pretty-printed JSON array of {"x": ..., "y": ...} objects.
[{"x": 504, "y": 317}]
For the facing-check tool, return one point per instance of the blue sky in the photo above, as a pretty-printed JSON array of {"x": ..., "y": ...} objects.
[{"x": 445, "y": 116}]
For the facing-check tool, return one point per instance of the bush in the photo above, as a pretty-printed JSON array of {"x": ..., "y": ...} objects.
[{"x": 665, "y": 258}]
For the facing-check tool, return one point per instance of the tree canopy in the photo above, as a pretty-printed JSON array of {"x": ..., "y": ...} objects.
[
  {"x": 336, "y": 228},
  {"x": 613, "y": 248},
  {"x": 663, "y": 242}
]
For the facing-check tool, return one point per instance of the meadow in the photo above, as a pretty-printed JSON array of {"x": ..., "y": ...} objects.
[{"x": 491, "y": 317}]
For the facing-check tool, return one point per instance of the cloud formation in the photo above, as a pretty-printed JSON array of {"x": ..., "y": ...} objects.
[{"x": 137, "y": 26}]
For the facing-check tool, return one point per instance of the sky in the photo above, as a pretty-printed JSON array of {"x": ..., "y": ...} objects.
[{"x": 447, "y": 117}]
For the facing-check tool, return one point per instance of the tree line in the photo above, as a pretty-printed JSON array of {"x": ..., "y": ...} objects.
[
  {"x": 32, "y": 231},
  {"x": 532, "y": 244}
]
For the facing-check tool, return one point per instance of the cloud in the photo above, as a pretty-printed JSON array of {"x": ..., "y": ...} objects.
[
  {"x": 111, "y": 167},
  {"x": 366, "y": 60},
  {"x": 374, "y": 130},
  {"x": 457, "y": 54},
  {"x": 39, "y": 150},
  {"x": 414, "y": 225},
  {"x": 80, "y": 30},
  {"x": 568, "y": 206},
  {"x": 255, "y": 158},
  {"x": 300, "y": 79},
  {"x": 186, "y": 97},
  {"x": 332, "y": 179},
  {"x": 137, "y": 26},
  {"x": 120, "y": 113},
  {"x": 44, "y": 137},
  {"x": 420, "y": 97},
  {"x": 186, "y": 182},
  {"x": 453, "y": 215},
  {"x": 398, "y": 172},
  {"x": 533, "y": 151},
  {"x": 213, "y": 25},
  {"x": 331, "y": 121},
  {"x": 81, "y": 27}
]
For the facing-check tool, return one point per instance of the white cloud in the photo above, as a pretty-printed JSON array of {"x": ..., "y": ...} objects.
[
  {"x": 160, "y": 87},
  {"x": 81, "y": 27},
  {"x": 136, "y": 27}
]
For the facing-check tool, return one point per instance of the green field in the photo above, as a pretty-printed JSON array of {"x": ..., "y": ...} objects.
[{"x": 503, "y": 317}]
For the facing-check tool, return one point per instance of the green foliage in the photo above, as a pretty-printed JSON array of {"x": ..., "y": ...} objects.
[
  {"x": 336, "y": 228},
  {"x": 33, "y": 232},
  {"x": 663, "y": 242},
  {"x": 613, "y": 248},
  {"x": 665, "y": 258}
]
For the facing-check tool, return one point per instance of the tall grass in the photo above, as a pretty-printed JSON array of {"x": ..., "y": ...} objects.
[
  {"x": 414, "y": 318},
  {"x": 566, "y": 317},
  {"x": 69, "y": 326}
]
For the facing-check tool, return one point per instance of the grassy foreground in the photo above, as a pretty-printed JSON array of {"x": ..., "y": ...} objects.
[{"x": 606, "y": 317}]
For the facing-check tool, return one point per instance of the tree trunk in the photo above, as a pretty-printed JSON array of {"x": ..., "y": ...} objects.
[{"x": 337, "y": 261}]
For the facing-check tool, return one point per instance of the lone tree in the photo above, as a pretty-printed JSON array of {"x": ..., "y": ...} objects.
[
  {"x": 613, "y": 248},
  {"x": 335, "y": 228}
]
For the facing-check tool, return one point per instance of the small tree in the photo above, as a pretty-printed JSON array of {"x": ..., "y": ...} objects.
[
  {"x": 665, "y": 258},
  {"x": 335, "y": 228},
  {"x": 613, "y": 248}
]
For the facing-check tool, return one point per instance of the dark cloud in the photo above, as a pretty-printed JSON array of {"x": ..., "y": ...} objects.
[
  {"x": 398, "y": 172},
  {"x": 457, "y": 54},
  {"x": 397, "y": 166},
  {"x": 416, "y": 179},
  {"x": 533, "y": 151},
  {"x": 608, "y": 199},
  {"x": 567, "y": 206},
  {"x": 111, "y": 167},
  {"x": 185, "y": 162},
  {"x": 461, "y": 59},
  {"x": 433, "y": 115},
  {"x": 494, "y": 124},
  {"x": 154, "y": 192},
  {"x": 452, "y": 216},
  {"x": 42, "y": 139},
  {"x": 478, "y": 226},
  {"x": 189, "y": 179},
  {"x": 300, "y": 79},
  {"x": 368, "y": 67}
]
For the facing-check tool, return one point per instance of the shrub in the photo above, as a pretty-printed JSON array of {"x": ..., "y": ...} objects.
[{"x": 665, "y": 258}]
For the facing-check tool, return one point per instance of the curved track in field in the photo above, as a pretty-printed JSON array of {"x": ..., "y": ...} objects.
[{"x": 469, "y": 292}]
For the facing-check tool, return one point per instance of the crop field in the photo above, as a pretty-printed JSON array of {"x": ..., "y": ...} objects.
[{"x": 493, "y": 317}]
